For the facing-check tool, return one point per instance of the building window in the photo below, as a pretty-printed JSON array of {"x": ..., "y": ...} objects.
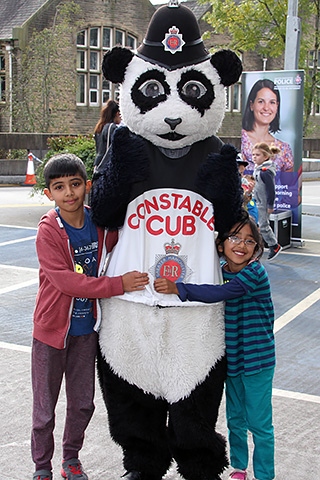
[
  {"x": 233, "y": 98},
  {"x": 92, "y": 44},
  {"x": 314, "y": 56},
  {"x": 316, "y": 103},
  {"x": 81, "y": 89},
  {"x": 2, "y": 79}
]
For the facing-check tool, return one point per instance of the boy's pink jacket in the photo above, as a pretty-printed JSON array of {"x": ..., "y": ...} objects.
[{"x": 59, "y": 283}]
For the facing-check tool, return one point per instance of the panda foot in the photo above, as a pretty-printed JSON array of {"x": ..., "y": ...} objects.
[
  {"x": 135, "y": 475},
  {"x": 132, "y": 475}
]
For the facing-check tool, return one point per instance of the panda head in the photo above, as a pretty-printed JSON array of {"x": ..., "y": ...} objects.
[{"x": 172, "y": 90}]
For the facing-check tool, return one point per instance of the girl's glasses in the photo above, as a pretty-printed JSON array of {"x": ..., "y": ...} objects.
[{"x": 237, "y": 240}]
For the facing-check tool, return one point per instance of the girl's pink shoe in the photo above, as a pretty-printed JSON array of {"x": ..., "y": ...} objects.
[{"x": 238, "y": 475}]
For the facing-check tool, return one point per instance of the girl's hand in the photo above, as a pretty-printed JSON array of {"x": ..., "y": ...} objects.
[{"x": 162, "y": 285}]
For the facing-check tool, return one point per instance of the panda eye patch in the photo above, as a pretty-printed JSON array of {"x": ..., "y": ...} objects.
[
  {"x": 196, "y": 90},
  {"x": 193, "y": 89},
  {"x": 152, "y": 88},
  {"x": 149, "y": 90}
]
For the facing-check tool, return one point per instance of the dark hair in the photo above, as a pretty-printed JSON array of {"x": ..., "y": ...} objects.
[
  {"x": 245, "y": 219},
  {"x": 248, "y": 117},
  {"x": 63, "y": 165},
  {"x": 107, "y": 115}
]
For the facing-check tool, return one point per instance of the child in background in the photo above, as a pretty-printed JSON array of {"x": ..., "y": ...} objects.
[
  {"x": 264, "y": 192},
  {"x": 242, "y": 164},
  {"x": 71, "y": 252},
  {"x": 247, "y": 183},
  {"x": 249, "y": 202},
  {"x": 250, "y": 348}
]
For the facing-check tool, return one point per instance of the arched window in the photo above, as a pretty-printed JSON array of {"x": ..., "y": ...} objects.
[
  {"x": 92, "y": 44},
  {"x": 2, "y": 79}
]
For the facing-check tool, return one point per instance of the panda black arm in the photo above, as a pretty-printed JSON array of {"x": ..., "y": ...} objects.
[
  {"x": 127, "y": 164},
  {"x": 219, "y": 181}
]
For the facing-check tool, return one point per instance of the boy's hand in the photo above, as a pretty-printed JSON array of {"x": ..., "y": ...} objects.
[
  {"x": 133, "y": 281},
  {"x": 162, "y": 285}
]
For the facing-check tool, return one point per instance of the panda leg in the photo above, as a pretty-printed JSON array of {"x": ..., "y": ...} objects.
[
  {"x": 200, "y": 452},
  {"x": 138, "y": 423}
]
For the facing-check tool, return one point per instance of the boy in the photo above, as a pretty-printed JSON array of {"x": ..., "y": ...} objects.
[{"x": 71, "y": 252}]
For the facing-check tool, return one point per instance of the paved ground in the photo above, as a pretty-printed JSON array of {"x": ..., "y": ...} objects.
[{"x": 296, "y": 292}]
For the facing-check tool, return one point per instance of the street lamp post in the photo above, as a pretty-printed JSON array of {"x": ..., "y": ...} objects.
[{"x": 292, "y": 37}]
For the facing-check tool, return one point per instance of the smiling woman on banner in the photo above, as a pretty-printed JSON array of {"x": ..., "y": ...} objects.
[{"x": 261, "y": 119}]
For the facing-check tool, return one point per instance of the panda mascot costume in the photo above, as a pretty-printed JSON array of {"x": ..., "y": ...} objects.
[{"x": 170, "y": 186}]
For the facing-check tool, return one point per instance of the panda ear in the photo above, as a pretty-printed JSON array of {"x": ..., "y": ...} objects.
[
  {"x": 228, "y": 66},
  {"x": 115, "y": 62}
]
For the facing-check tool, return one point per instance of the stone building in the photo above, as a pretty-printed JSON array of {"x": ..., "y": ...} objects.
[{"x": 105, "y": 23}]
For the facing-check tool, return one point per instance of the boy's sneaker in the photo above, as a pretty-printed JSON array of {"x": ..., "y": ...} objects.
[
  {"x": 72, "y": 470},
  {"x": 274, "y": 251},
  {"x": 238, "y": 475},
  {"x": 42, "y": 475}
]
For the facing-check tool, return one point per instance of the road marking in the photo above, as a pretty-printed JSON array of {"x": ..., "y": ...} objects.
[
  {"x": 17, "y": 286},
  {"x": 312, "y": 241},
  {"x": 295, "y": 311},
  {"x": 17, "y": 348},
  {"x": 23, "y": 205},
  {"x": 302, "y": 254},
  {"x": 18, "y": 240},
  {"x": 295, "y": 395},
  {"x": 17, "y": 226},
  {"x": 305, "y": 397},
  {"x": 14, "y": 267}
]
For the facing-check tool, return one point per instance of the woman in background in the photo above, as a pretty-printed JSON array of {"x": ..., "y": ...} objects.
[
  {"x": 110, "y": 118},
  {"x": 261, "y": 119}
]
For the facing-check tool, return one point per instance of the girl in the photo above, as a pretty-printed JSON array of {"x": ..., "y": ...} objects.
[
  {"x": 249, "y": 317},
  {"x": 264, "y": 192}
]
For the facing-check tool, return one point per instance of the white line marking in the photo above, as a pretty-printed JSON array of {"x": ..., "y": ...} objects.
[
  {"x": 275, "y": 391},
  {"x": 296, "y": 310},
  {"x": 296, "y": 395},
  {"x": 17, "y": 226},
  {"x": 17, "y": 348},
  {"x": 17, "y": 286},
  {"x": 302, "y": 254},
  {"x": 18, "y": 240},
  {"x": 23, "y": 269},
  {"x": 24, "y": 205},
  {"x": 309, "y": 240}
]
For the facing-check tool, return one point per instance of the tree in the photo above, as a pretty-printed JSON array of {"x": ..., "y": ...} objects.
[
  {"x": 260, "y": 26},
  {"x": 46, "y": 83}
]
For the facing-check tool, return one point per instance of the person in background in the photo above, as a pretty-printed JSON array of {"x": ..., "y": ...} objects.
[
  {"x": 110, "y": 119},
  {"x": 249, "y": 201},
  {"x": 247, "y": 186},
  {"x": 71, "y": 252},
  {"x": 242, "y": 164},
  {"x": 264, "y": 193},
  {"x": 250, "y": 345},
  {"x": 261, "y": 119}
]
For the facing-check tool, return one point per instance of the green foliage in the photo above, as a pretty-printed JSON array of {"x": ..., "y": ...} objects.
[
  {"x": 15, "y": 154},
  {"x": 46, "y": 82},
  {"x": 260, "y": 26},
  {"x": 252, "y": 25},
  {"x": 83, "y": 146}
]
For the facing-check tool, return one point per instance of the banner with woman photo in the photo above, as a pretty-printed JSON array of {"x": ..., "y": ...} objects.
[{"x": 272, "y": 106}]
